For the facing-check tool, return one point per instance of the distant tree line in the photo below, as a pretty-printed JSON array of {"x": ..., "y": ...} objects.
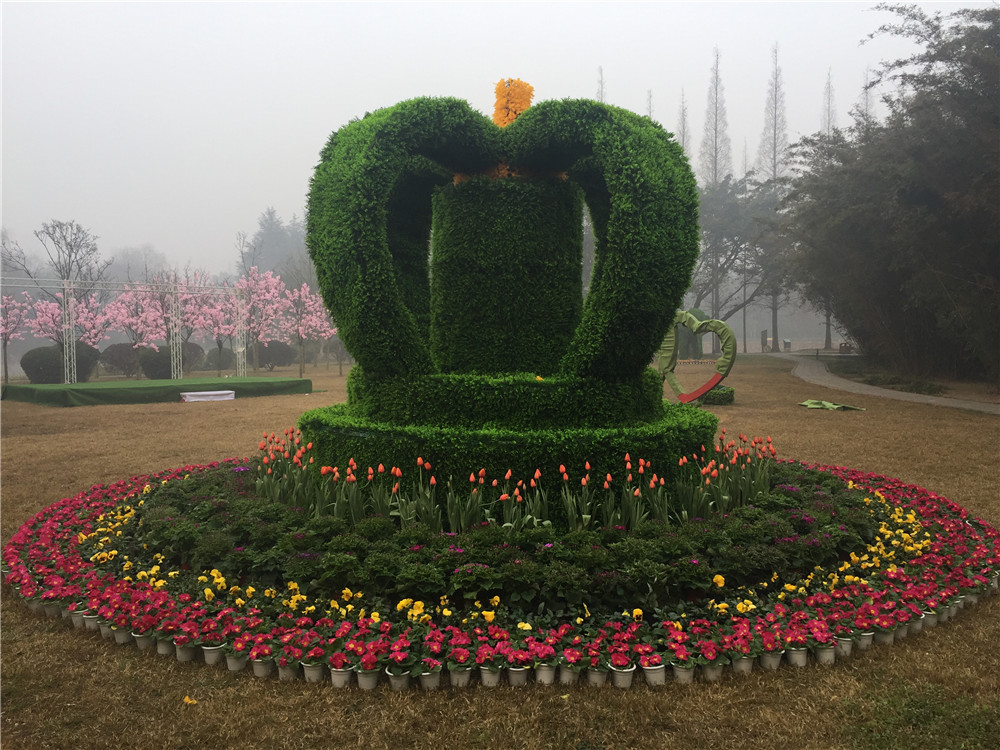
[{"x": 894, "y": 226}]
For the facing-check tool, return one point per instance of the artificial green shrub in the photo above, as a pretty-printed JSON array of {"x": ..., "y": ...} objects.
[
  {"x": 338, "y": 436},
  {"x": 635, "y": 178},
  {"x": 516, "y": 400},
  {"x": 448, "y": 339},
  {"x": 505, "y": 274},
  {"x": 719, "y": 396},
  {"x": 45, "y": 363}
]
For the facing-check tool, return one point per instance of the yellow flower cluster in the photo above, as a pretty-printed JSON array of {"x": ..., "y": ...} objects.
[{"x": 513, "y": 97}]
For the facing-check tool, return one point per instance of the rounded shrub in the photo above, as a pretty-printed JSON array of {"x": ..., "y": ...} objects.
[
  {"x": 155, "y": 363},
  {"x": 45, "y": 364},
  {"x": 211, "y": 361},
  {"x": 273, "y": 354},
  {"x": 121, "y": 359}
]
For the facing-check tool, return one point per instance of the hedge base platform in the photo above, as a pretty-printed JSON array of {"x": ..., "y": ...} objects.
[{"x": 149, "y": 391}]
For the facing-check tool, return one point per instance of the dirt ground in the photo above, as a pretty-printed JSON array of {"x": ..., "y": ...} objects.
[{"x": 68, "y": 689}]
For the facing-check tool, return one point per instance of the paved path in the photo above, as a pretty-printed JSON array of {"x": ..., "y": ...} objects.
[{"x": 813, "y": 370}]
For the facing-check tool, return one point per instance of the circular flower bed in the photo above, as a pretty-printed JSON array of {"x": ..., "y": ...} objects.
[{"x": 925, "y": 556}]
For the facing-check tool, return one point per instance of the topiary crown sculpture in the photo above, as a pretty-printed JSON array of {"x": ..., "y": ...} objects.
[{"x": 448, "y": 248}]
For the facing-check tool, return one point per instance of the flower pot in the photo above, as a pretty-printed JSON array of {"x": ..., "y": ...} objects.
[
  {"x": 165, "y": 647},
  {"x": 844, "y": 647},
  {"x": 143, "y": 642},
  {"x": 517, "y": 676},
  {"x": 77, "y": 619},
  {"x": 460, "y": 678},
  {"x": 367, "y": 679},
  {"x": 711, "y": 672},
  {"x": 770, "y": 660},
  {"x": 341, "y": 678},
  {"x": 568, "y": 675},
  {"x": 971, "y": 598},
  {"x": 995, "y": 582},
  {"x": 622, "y": 678},
  {"x": 960, "y": 601},
  {"x": 288, "y": 672},
  {"x": 596, "y": 678},
  {"x": 545, "y": 674},
  {"x": 106, "y": 631},
  {"x": 797, "y": 656},
  {"x": 430, "y": 680},
  {"x": 825, "y": 655},
  {"x": 52, "y": 609},
  {"x": 917, "y": 625},
  {"x": 864, "y": 640},
  {"x": 185, "y": 652},
  {"x": 236, "y": 662},
  {"x": 90, "y": 622},
  {"x": 944, "y": 614},
  {"x": 953, "y": 610},
  {"x": 262, "y": 668},
  {"x": 884, "y": 637},
  {"x": 36, "y": 606},
  {"x": 743, "y": 665},
  {"x": 313, "y": 672},
  {"x": 398, "y": 682},
  {"x": 655, "y": 676},
  {"x": 930, "y": 619},
  {"x": 122, "y": 637},
  {"x": 66, "y": 613},
  {"x": 213, "y": 654},
  {"x": 901, "y": 631},
  {"x": 683, "y": 675},
  {"x": 489, "y": 677}
]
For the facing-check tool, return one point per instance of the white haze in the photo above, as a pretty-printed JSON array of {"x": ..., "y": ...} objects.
[{"x": 175, "y": 125}]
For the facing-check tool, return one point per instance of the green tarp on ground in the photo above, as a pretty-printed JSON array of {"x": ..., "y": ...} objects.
[{"x": 149, "y": 391}]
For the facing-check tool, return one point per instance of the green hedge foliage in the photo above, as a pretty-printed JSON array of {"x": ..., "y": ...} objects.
[
  {"x": 505, "y": 274},
  {"x": 516, "y": 400},
  {"x": 338, "y": 435},
  {"x": 498, "y": 292},
  {"x": 156, "y": 365},
  {"x": 45, "y": 363},
  {"x": 720, "y": 395},
  {"x": 635, "y": 178}
]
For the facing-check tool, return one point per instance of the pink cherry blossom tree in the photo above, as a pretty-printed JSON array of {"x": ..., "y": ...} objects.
[
  {"x": 215, "y": 314},
  {"x": 91, "y": 322},
  {"x": 263, "y": 303},
  {"x": 307, "y": 319},
  {"x": 14, "y": 316}
]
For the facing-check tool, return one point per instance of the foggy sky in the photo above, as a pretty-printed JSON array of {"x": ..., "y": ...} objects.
[{"x": 176, "y": 125}]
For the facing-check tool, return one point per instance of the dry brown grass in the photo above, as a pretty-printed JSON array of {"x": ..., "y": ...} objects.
[{"x": 66, "y": 689}]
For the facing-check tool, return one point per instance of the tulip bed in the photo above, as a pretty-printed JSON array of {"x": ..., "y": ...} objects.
[{"x": 927, "y": 553}]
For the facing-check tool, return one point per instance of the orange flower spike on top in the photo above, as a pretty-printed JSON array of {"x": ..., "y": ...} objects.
[{"x": 513, "y": 97}]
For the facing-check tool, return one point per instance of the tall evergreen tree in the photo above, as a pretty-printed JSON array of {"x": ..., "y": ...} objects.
[
  {"x": 683, "y": 131},
  {"x": 715, "y": 157},
  {"x": 828, "y": 117},
  {"x": 772, "y": 154},
  {"x": 772, "y": 163}
]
